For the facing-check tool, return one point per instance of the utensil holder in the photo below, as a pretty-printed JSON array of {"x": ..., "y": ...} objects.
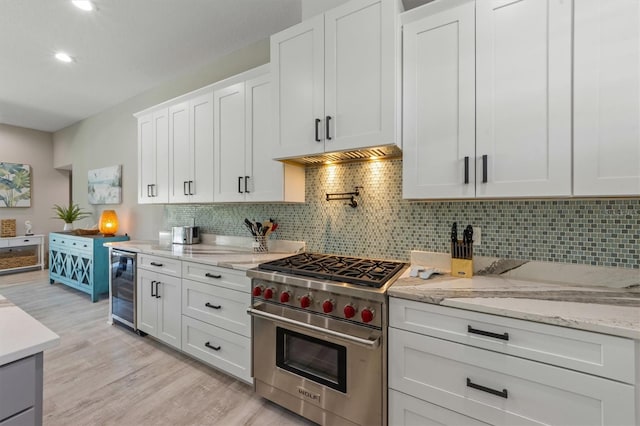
[{"x": 260, "y": 244}]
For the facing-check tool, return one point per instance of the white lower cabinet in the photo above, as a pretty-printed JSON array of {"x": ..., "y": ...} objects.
[
  {"x": 199, "y": 309},
  {"x": 158, "y": 306},
  {"x": 435, "y": 369},
  {"x": 229, "y": 352},
  {"x": 409, "y": 411},
  {"x": 215, "y": 326}
]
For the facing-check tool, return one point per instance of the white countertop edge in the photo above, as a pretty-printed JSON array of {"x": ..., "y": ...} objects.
[
  {"x": 21, "y": 335},
  {"x": 568, "y": 316}
]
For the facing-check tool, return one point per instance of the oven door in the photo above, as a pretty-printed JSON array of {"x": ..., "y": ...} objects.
[{"x": 317, "y": 366}]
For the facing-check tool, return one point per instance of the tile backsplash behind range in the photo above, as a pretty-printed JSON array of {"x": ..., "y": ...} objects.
[{"x": 592, "y": 232}]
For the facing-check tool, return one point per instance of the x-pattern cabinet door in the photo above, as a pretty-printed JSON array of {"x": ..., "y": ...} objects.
[
  {"x": 81, "y": 269},
  {"x": 58, "y": 265}
]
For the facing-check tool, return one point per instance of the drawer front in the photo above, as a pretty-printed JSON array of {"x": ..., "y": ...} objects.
[
  {"x": 17, "y": 386},
  {"x": 162, "y": 265},
  {"x": 502, "y": 389},
  {"x": 599, "y": 354},
  {"x": 25, "y": 418},
  {"x": 26, "y": 241},
  {"x": 223, "y": 277},
  {"x": 217, "y": 306},
  {"x": 405, "y": 410},
  {"x": 222, "y": 349},
  {"x": 64, "y": 242},
  {"x": 4, "y": 243}
]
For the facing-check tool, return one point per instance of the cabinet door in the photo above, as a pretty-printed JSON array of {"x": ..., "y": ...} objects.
[
  {"x": 80, "y": 269},
  {"x": 606, "y": 138},
  {"x": 360, "y": 74},
  {"x": 146, "y": 159},
  {"x": 146, "y": 302},
  {"x": 160, "y": 189},
  {"x": 523, "y": 101},
  {"x": 439, "y": 102},
  {"x": 180, "y": 157},
  {"x": 229, "y": 143},
  {"x": 297, "y": 60},
  {"x": 200, "y": 186},
  {"x": 266, "y": 176},
  {"x": 169, "y": 299}
]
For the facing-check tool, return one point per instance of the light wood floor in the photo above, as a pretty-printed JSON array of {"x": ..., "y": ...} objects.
[{"x": 106, "y": 375}]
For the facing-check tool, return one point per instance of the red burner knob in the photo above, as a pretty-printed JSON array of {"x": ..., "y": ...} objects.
[
  {"x": 349, "y": 311},
  {"x": 305, "y": 301},
  {"x": 367, "y": 315},
  {"x": 257, "y": 291},
  {"x": 268, "y": 293},
  {"x": 327, "y": 306},
  {"x": 284, "y": 297}
]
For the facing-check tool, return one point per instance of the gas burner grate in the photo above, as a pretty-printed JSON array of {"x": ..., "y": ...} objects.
[{"x": 353, "y": 270}]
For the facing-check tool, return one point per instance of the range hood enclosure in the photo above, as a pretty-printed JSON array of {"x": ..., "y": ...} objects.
[{"x": 384, "y": 152}]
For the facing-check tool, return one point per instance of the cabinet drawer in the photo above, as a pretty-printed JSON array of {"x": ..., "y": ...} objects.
[
  {"x": 222, "y": 349},
  {"x": 405, "y": 410},
  {"x": 4, "y": 243},
  {"x": 163, "y": 265},
  {"x": 594, "y": 353},
  {"x": 217, "y": 306},
  {"x": 26, "y": 241},
  {"x": 502, "y": 389},
  {"x": 17, "y": 386},
  {"x": 84, "y": 245},
  {"x": 223, "y": 277},
  {"x": 25, "y": 418}
]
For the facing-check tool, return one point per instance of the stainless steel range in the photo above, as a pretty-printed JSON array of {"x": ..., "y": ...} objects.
[{"x": 320, "y": 333}]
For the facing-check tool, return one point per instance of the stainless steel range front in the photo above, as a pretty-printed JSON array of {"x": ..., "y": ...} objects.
[{"x": 320, "y": 333}]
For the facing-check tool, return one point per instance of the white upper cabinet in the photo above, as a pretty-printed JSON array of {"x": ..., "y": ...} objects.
[
  {"x": 244, "y": 144},
  {"x": 487, "y": 99},
  {"x": 607, "y": 98},
  {"x": 439, "y": 103},
  {"x": 336, "y": 80},
  {"x": 191, "y": 150},
  {"x": 153, "y": 157},
  {"x": 523, "y": 98}
]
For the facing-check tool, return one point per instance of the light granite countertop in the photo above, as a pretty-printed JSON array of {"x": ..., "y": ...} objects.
[
  {"x": 586, "y": 305},
  {"x": 21, "y": 335},
  {"x": 226, "y": 252}
]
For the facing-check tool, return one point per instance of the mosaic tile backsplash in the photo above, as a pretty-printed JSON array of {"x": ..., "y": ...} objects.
[{"x": 592, "y": 232}]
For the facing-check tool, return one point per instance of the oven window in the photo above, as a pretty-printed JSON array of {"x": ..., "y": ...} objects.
[{"x": 323, "y": 362}]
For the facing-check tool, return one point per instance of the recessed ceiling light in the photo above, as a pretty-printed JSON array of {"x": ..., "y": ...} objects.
[
  {"x": 63, "y": 57},
  {"x": 83, "y": 4}
]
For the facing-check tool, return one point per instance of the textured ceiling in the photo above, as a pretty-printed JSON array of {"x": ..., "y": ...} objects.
[{"x": 124, "y": 48}]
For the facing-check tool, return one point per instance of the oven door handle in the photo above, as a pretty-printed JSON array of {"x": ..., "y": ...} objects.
[{"x": 369, "y": 344}]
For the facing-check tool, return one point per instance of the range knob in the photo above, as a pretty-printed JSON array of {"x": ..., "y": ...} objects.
[
  {"x": 327, "y": 306},
  {"x": 367, "y": 314},
  {"x": 257, "y": 291},
  {"x": 349, "y": 311},
  {"x": 268, "y": 293},
  {"x": 285, "y": 296},
  {"x": 305, "y": 301}
]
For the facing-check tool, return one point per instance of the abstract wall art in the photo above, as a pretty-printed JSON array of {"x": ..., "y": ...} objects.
[{"x": 105, "y": 185}]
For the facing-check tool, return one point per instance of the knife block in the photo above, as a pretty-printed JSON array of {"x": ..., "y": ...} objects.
[{"x": 461, "y": 259}]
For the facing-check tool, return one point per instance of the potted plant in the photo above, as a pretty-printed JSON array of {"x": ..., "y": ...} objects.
[{"x": 69, "y": 214}]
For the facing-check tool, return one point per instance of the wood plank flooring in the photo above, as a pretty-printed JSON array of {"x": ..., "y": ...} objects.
[{"x": 107, "y": 375}]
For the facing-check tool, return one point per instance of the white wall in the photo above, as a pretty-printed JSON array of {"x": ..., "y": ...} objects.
[
  {"x": 48, "y": 185},
  {"x": 110, "y": 138},
  {"x": 311, "y": 8}
]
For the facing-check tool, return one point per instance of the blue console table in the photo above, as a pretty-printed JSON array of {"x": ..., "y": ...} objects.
[{"x": 81, "y": 262}]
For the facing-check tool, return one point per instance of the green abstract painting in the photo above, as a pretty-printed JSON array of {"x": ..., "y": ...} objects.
[{"x": 15, "y": 185}]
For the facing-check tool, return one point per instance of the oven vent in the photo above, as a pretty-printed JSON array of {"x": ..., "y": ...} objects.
[{"x": 377, "y": 153}]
